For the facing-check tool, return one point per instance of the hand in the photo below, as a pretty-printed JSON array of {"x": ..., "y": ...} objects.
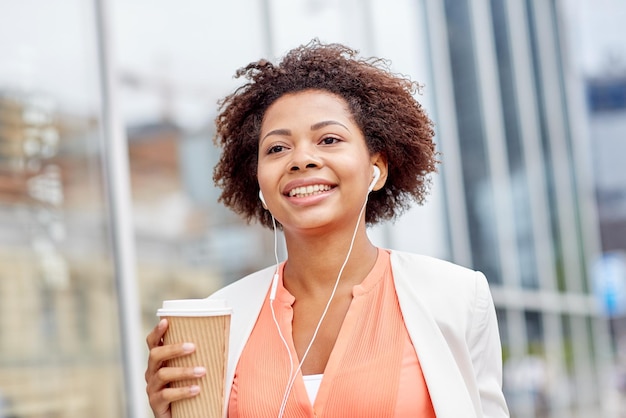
[{"x": 159, "y": 376}]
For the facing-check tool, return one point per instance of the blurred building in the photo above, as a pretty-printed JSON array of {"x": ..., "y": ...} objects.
[
  {"x": 58, "y": 310},
  {"x": 606, "y": 99},
  {"x": 56, "y": 271},
  {"x": 518, "y": 196}
]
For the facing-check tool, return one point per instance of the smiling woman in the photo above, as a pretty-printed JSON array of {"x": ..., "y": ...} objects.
[
  {"x": 332, "y": 142},
  {"x": 380, "y": 104},
  {"x": 313, "y": 159}
]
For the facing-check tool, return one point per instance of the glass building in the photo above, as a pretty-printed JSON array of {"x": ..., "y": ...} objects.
[
  {"x": 107, "y": 205},
  {"x": 606, "y": 100},
  {"x": 520, "y": 205}
]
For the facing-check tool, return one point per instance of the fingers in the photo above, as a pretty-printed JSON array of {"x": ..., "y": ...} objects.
[
  {"x": 160, "y": 401},
  {"x": 159, "y": 377},
  {"x": 155, "y": 337},
  {"x": 161, "y": 386},
  {"x": 160, "y": 354},
  {"x": 174, "y": 374},
  {"x": 158, "y": 387}
]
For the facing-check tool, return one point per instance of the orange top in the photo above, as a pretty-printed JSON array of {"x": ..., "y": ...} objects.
[{"x": 373, "y": 370}]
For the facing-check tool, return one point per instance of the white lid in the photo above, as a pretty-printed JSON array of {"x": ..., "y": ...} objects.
[{"x": 194, "y": 307}]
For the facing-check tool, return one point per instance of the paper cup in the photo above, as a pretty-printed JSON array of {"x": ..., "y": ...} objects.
[{"x": 206, "y": 323}]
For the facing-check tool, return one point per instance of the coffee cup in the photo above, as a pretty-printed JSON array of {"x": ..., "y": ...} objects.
[{"x": 206, "y": 323}]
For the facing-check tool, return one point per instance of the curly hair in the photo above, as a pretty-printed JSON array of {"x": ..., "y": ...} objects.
[{"x": 381, "y": 103}]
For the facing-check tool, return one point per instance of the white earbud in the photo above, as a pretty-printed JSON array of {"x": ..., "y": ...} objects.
[
  {"x": 262, "y": 199},
  {"x": 375, "y": 179}
]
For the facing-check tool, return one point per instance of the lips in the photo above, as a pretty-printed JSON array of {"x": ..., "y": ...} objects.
[{"x": 309, "y": 190}]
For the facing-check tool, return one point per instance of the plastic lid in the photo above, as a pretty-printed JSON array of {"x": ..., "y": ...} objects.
[{"x": 194, "y": 307}]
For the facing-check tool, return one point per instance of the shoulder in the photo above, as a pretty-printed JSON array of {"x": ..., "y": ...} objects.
[
  {"x": 248, "y": 287},
  {"x": 245, "y": 297},
  {"x": 441, "y": 285},
  {"x": 424, "y": 269}
]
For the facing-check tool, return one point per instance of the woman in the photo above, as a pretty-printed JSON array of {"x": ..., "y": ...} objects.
[{"x": 321, "y": 145}]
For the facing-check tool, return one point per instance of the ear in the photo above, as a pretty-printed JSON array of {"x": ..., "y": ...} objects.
[{"x": 380, "y": 161}]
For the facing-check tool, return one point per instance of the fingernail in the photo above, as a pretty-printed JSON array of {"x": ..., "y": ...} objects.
[
  {"x": 199, "y": 371},
  {"x": 188, "y": 347},
  {"x": 194, "y": 389},
  {"x": 162, "y": 323}
]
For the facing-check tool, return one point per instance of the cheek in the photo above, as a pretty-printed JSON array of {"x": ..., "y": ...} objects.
[
  {"x": 260, "y": 178},
  {"x": 264, "y": 175}
]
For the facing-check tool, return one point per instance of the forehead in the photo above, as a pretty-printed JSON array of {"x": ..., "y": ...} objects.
[{"x": 308, "y": 104}]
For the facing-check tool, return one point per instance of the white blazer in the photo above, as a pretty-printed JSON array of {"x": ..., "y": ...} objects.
[{"x": 451, "y": 320}]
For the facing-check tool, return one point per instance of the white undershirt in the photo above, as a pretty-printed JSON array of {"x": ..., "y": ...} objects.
[{"x": 312, "y": 384}]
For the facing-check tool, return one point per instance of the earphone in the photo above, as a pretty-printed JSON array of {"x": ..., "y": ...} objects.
[
  {"x": 262, "y": 199},
  {"x": 375, "y": 179}
]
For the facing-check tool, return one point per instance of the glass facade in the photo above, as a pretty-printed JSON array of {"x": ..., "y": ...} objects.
[
  {"x": 59, "y": 336},
  {"x": 520, "y": 178},
  {"x": 477, "y": 180},
  {"x": 520, "y": 187},
  {"x": 506, "y": 202}
]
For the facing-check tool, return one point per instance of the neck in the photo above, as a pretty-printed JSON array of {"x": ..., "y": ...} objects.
[{"x": 315, "y": 261}]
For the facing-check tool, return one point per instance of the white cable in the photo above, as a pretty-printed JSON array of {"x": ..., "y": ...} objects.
[
  {"x": 293, "y": 376},
  {"x": 272, "y": 298},
  {"x": 275, "y": 279}
]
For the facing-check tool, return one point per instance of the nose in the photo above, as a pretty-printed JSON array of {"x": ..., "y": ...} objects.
[{"x": 304, "y": 157}]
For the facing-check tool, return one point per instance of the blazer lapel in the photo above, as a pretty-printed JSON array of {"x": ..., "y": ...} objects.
[
  {"x": 245, "y": 297},
  {"x": 445, "y": 383}
]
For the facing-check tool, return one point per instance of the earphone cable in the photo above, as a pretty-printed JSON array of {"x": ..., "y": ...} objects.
[
  {"x": 293, "y": 376},
  {"x": 272, "y": 296}
]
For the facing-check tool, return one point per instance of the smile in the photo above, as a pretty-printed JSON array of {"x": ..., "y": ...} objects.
[{"x": 309, "y": 190}]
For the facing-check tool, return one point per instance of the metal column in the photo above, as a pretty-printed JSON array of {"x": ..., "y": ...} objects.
[{"x": 117, "y": 179}]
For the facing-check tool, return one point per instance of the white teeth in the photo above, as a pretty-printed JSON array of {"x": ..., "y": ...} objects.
[{"x": 308, "y": 190}]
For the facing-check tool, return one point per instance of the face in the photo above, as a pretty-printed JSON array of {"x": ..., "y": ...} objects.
[{"x": 314, "y": 167}]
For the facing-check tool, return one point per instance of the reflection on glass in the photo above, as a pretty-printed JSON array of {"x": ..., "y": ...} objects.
[
  {"x": 59, "y": 345},
  {"x": 521, "y": 191},
  {"x": 479, "y": 193},
  {"x": 188, "y": 244}
]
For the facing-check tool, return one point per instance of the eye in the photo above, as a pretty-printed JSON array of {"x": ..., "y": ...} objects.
[
  {"x": 275, "y": 149},
  {"x": 329, "y": 140}
]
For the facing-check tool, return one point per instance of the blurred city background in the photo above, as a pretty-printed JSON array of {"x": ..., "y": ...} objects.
[{"x": 107, "y": 205}]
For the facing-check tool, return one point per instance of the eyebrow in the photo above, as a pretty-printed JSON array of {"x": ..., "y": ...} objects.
[
  {"x": 320, "y": 125},
  {"x": 282, "y": 132},
  {"x": 314, "y": 127}
]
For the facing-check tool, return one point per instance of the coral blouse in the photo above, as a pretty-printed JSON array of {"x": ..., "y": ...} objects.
[{"x": 373, "y": 369}]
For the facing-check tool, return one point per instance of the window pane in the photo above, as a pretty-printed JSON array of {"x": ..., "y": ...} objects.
[{"x": 59, "y": 345}]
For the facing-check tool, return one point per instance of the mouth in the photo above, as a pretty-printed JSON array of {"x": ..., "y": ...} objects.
[{"x": 310, "y": 190}]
